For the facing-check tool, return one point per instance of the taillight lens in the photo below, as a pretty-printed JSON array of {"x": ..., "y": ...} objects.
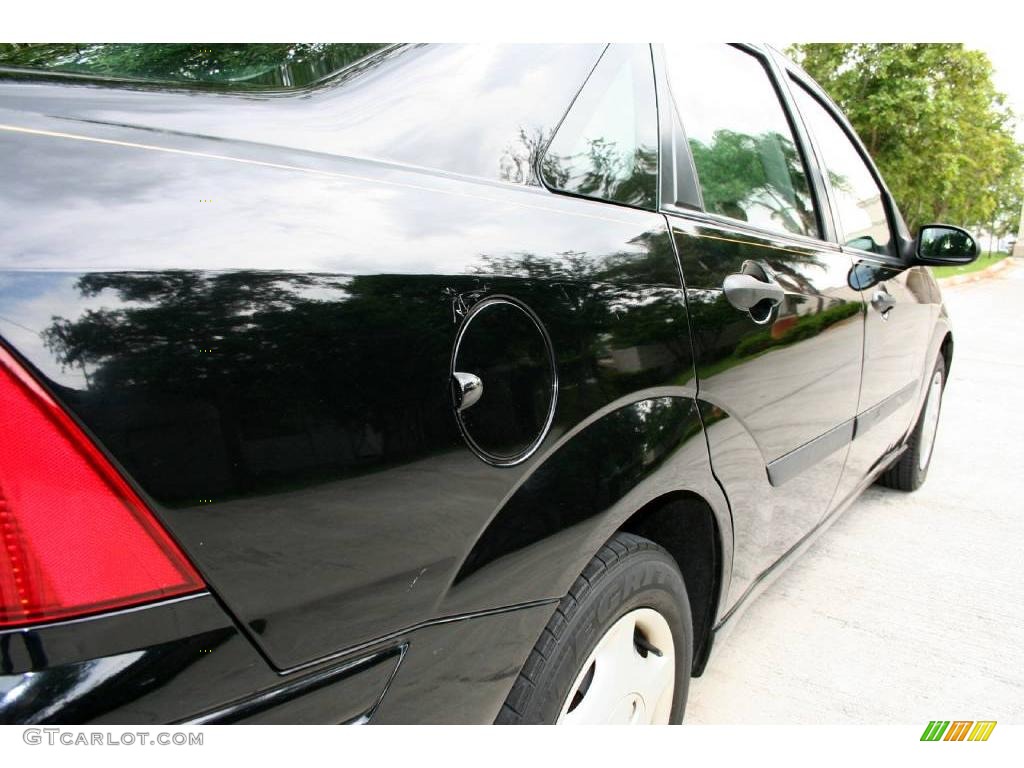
[{"x": 74, "y": 537}]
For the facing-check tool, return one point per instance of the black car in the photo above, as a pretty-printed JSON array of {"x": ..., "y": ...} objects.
[{"x": 458, "y": 384}]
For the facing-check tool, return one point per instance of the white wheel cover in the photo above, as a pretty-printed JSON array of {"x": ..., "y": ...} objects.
[{"x": 627, "y": 685}]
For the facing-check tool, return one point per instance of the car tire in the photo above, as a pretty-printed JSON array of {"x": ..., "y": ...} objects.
[
  {"x": 909, "y": 473},
  {"x": 618, "y": 648}
]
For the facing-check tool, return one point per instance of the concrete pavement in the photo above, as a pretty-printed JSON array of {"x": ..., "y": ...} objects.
[{"x": 910, "y": 607}]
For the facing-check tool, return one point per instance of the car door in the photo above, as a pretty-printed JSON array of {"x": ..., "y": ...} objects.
[
  {"x": 778, "y": 367},
  {"x": 902, "y": 303}
]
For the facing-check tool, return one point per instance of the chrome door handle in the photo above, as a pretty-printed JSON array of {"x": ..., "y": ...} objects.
[
  {"x": 883, "y": 302},
  {"x": 746, "y": 291},
  {"x": 466, "y": 390}
]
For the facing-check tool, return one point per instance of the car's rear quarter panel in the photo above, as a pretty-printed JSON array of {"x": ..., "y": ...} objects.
[{"x": 261, "y": 337}]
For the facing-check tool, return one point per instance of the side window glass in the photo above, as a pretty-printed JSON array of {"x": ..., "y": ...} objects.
[
  {"x": 856, "y": 196},
  {"x": 747, "y": 160},
  {"x": 607, "y": 146}
]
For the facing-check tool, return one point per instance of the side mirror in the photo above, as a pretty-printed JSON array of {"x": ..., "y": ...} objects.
[
  {"x": 940, "y": 244},
  {"x": 863, "y": 275}
]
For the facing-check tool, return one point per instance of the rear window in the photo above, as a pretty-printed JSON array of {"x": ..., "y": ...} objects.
[{"x": 287, "y": 65}]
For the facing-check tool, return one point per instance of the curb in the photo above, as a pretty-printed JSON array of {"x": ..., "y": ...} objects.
[{"x": 972, "y": 277}]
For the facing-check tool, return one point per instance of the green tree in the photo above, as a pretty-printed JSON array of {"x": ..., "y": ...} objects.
[{"x": 932, "y": 119}]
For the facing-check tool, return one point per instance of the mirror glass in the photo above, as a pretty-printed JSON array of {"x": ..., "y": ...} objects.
[
  {"x": 864, "y": 275},
  {"x": 945, "y": 245}
]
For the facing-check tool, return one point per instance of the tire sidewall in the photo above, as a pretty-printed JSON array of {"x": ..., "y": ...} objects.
[
  {"x": 921, "y": 474},
  {"x": 647, "y": 579}
]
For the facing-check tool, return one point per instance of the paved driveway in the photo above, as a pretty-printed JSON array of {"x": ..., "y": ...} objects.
[{"x": 910, "y": 607}]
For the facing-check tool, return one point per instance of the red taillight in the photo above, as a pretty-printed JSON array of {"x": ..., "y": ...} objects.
[{"x": 74, "y": 537}]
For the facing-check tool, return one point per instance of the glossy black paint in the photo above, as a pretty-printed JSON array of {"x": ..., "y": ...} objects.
[
  {"x": 285, "y": 423},
  {"x": 309, "y": 450},
  {"x": 905, "y": 328},
  {"x": 150, "y": 664},
  {"x": 183, "y": 661},
  {"x": 772, "y": 384},
  {"x": 255, "y": 304}
]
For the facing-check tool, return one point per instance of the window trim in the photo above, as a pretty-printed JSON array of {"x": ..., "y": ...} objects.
[
  {"x": 828, "y": 231},
  {"x": 745, "y": 227},
  {"x": 822, "y": 208},
  {"x": 814, "y": 91},
  {"x": 678, "y": 187}
]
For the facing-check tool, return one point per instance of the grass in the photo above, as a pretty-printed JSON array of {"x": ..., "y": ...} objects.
[{"x": 984, "y": 262}]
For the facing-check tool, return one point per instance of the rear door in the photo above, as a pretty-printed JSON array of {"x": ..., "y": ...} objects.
[
  {"x": 778, "y": 380},
  {"x": 902, "y": 303}
]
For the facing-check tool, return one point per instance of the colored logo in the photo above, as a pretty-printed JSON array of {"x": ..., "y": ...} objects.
[{"x": 958, "y": 730}]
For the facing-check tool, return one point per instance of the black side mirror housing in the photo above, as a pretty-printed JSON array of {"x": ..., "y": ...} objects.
[{"x": 943, "y": 245}]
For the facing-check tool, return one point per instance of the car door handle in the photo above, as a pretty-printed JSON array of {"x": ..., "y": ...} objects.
[
  {"x": 746, "y": 291},
  {"x": 883, "y": 302},
  {"x": 466, "y": 390}
]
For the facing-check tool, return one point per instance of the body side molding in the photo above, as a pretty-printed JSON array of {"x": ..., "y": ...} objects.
[
  {"x": 785, "y": 468},
  {"x": 881, "y": 411}
]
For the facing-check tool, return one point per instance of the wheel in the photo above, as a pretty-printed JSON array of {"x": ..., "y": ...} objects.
[
  {"x": 909, "y": 473},
  {"x": 617, "y": 650}
]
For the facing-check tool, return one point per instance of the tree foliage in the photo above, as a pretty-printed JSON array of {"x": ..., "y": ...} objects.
[{"x": 931, "y": 117}]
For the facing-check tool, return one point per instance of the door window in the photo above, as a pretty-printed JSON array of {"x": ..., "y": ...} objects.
[
  {"x": 747, "y": 160},
  {"x": 856, "y": 196}
]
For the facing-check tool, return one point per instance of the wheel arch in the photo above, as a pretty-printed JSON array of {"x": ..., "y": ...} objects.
[
  {"x": 946, "y": 348},
  {"x": 684, "y": 524},
  {"x": 940, "y": 343},
  {"x": 620, "y": 471}
]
